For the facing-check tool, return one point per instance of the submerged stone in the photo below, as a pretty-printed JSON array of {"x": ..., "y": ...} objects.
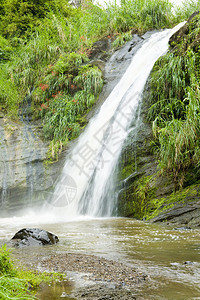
[
  {"x": 182, "y": 228},
  {"x": 33, "y": 237},
  {"x": 188, "y": 263}
]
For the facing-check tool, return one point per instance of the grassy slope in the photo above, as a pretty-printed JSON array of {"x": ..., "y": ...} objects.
[{"x": 44, "y": 52}]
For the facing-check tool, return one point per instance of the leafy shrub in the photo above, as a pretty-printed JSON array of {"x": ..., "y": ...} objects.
[
  {"x": 89, "y": 79},
  {"x": 69, "y": 63},
  {"x": 6, "y": 265},
  {"x": 5, "y": 49},
  {"x": 19, "y": 17},
  {"x": 121, "y": 39}
]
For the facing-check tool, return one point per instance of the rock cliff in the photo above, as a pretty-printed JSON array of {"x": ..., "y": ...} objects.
[
  {"x": 143, "y": 192},
  {"x": 23, "y": 173}
]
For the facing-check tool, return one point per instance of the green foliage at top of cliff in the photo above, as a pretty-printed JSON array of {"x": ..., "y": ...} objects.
[
  {"x": 175, "y": 105},
  {"x": 45, "y": 49},
  {"x": 19, "y": 17}
]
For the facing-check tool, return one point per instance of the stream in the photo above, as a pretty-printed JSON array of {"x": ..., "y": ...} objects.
[{"x": 169, "y": 256}]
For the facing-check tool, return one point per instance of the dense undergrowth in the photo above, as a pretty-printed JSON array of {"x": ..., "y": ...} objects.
[
  {"x": 175, "y": 110},
  {"x": 45, "y": 47},
  {"x": 17, "y": 283}
]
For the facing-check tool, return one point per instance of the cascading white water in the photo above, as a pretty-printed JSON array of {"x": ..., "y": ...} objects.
[{"x": 87, "y": 174}]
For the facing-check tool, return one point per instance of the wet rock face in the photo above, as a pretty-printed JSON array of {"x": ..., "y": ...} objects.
[
  {"x": 33, "y": 237},
  {"x": 136, "y": 165},
  {"x": 181, "y": 36},
  {"x": 181, "y": 213},
  {"x": 23, "y": 174}
]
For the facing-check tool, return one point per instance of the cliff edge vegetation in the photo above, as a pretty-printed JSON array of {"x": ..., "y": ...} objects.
[{"x": 45, "y": 52}]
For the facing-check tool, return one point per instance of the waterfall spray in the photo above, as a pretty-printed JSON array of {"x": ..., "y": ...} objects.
[{"x": 87, "y": 175}]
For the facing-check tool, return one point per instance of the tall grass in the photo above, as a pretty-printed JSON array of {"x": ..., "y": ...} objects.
[
  {"x": 18, "y": 284},
  {"x": 175, "y": 107},
  {"x": 9, "y": 96},
  {"x": 140, "y": 15},
  {"x": 89, "y": 79},
  {"x": 168, "y": 85},
  {"x": 186, "y": 9}
]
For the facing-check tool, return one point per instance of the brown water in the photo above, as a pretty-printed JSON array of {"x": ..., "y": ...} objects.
[
  {"x": 54, "y": 291},
  {"x": 170, "y": 257}
]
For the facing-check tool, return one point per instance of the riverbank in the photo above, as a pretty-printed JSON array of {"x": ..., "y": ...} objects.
[
  {"x": 95, "y": 277},
  {"x": 167, "y": 254}
]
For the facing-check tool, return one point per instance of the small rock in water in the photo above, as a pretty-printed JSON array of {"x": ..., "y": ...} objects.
[
  {"x": 33, "y": 237},
  {"x": 64, "y": 295},
  {"x": 174, "y": 264},
  {"x": 182, "y": 228},
  {"x": 188, "y": 263}
]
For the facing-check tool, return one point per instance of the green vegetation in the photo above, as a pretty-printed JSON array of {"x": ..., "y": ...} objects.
[
  {"x": 156, "y": 206},
  {"x": 140, "y": 15},
  {"x": 45, "y": 49},
  {"x": 175, "y": 106},
  {"x": 187, "y": 8},
  {"x": 174, "y": 111},
  {"x": 45, "y": 52},
  {"x": 121, "y": 39},
  {"x": 20, "y": 284}
]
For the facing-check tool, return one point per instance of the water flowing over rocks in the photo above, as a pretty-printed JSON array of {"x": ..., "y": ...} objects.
[
  {"x": 33, "y": 237},
  {"x": 137, "y": 163},
  {"x": 140, "y": 184},
  {"x": 113, "y": 66},
  {"x": 24, "y": 176}
]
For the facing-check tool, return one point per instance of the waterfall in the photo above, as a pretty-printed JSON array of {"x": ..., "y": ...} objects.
[{"x": 85, "y": 186}]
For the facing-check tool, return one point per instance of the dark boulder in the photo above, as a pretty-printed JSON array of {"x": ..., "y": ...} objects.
[
  {"x": 187, "y": 213},
  {"x": 33, "y": 237}
]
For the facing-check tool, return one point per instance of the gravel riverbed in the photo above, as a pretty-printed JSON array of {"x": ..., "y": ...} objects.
[
  {"x": 94, "y": 268},
  {"x": 95, "y": 277},
  {"x": 104, "y": 278}
]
